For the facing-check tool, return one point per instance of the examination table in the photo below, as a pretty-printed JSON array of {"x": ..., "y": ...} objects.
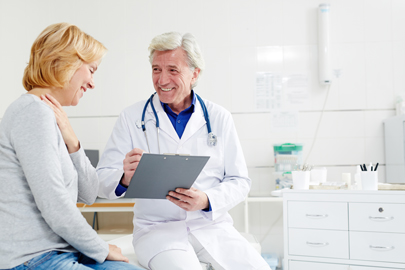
[{"x": 125, "y": 243}]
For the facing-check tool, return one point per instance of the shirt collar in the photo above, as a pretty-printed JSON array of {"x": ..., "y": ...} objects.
[{"x": 191, "y": 108}]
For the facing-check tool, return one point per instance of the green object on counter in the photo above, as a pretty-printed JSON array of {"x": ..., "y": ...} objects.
[
  {"x": 286, "y": 156},
  {"x": 287, "y": 147}
]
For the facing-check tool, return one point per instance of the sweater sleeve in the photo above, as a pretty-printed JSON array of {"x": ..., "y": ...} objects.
[
  {"x": 110, "y": 167},
  {"x": 36, "y": 140},
  {"x": 87, "y": 177}
]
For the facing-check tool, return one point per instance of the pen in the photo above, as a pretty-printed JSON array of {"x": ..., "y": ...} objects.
[
  {"x": 376, "y": 165},
  {"x": 365, "y": 168}
]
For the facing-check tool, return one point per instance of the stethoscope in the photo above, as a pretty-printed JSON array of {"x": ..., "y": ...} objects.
[{"x": 212, "y": 139}]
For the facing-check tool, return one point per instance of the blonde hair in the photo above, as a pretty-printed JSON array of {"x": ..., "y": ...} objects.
[
  {"x": 173, "y": 40},
  {"x": 57, "y": 53}
]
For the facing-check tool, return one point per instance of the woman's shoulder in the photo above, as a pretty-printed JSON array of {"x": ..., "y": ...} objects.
[{"x": 27, "y": 106}]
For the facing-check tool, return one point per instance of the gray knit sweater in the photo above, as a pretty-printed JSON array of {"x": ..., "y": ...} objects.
[{"x": 40, "y": 184}]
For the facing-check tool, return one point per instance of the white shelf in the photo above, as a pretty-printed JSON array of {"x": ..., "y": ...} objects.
[
  {"x": 257, "y": 199},
  {"x": 105, "y": 209},
  {"x": 264, "y": 199},
  {"x": 86, "y": 209},
  {"x": 119, "y": 200},
  {"x": 130, "y": 209}
]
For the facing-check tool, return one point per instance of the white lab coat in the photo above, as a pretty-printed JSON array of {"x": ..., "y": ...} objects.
[{"x": 160, "y": 225}]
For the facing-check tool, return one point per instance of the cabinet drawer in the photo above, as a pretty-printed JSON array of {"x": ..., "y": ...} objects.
[
  {"x": 318, "y": 215},
  {"x": 377, "y": 217},
  {"x": 355, "y": 267},
  {"x": 318, "y": 243},
  {"x": 298, "y": 265},
  {"x": 373, "y": 246}
]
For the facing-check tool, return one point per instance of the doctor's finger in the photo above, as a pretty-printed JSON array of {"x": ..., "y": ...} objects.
[
  {"x": 180, "y": 196},
  {"x": 135, "y": 151},
  {"x": 130, "y": 166},
  {"x": 189, "y": 192},
  {"x": 132, "y": 159},
  {"x": 179, "y": 203}
]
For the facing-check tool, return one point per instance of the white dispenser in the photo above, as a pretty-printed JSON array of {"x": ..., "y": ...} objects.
[{"x": 325, "y": 74}]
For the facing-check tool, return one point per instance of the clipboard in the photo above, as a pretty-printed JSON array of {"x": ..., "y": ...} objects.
[{"x": 158, "y": 174}]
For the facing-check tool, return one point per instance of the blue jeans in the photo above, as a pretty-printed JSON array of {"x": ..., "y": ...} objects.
[{"x": 71, "y": 261}]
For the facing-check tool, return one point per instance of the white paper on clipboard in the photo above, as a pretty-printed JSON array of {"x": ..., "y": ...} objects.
[{"x": 158, "y": 174}]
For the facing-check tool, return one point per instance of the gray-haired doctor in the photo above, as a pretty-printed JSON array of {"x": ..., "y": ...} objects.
[{"x": 177, "y": 234}]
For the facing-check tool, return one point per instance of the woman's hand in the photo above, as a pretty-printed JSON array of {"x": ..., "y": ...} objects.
[
  {"x": 115, "y": 254},
  {"x": 71, "y": 141}
]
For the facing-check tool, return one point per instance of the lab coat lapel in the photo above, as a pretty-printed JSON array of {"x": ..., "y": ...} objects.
[
  {"x": 196, "y": 121},
  {"x": 164, "y": 121}
]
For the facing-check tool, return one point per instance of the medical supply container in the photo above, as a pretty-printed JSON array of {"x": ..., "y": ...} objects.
[
  {"x": 283, "y": 180},
  {"x": 286, "y": 156},
  {"x": 271, "y": 259}
]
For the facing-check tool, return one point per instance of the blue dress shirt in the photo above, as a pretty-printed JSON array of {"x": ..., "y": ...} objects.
[{"x": 180, "y": 121}]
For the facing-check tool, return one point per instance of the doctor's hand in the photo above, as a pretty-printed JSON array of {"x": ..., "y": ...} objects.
[
  {"x": 189, "y": 199},
  {"x": 69, "y": 136},
  {"x": 131, "y": 162},
  {"x": 115, "y": 254}
]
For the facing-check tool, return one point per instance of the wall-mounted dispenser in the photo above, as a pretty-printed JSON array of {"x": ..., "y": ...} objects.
[{"x": 325, "y": 74}]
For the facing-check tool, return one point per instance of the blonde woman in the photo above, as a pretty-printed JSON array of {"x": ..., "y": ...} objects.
[{"x": 43, "y": 168}]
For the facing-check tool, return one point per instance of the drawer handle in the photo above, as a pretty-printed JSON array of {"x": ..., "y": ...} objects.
[
  {"x": 316, "y": 216},
  {"x": 317, "y": 244},
  {"x": 380, "y": 248},
  {"x": 381, "y": 218}
]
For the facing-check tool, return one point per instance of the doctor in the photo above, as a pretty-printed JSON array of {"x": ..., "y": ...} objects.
[{"x": 177, "y": 234}]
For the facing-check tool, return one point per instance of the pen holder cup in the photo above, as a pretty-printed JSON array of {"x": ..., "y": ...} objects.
[
  {"x": 369, "y": 180},
  {"x": 301, "y": 179}
]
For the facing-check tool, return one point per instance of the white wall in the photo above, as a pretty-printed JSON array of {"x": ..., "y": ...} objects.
[{"x": 368, "y": 46}]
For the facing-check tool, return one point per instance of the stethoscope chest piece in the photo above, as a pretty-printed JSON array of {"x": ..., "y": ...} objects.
[
  {"x": 138, "y": 123},
  {"x": 212, "y": 139}
]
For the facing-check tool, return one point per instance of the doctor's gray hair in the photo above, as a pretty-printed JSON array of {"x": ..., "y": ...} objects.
[{"x": 173, "y": 40}]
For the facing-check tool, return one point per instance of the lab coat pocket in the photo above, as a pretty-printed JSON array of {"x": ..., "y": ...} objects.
[{"x": 215, "y": 165}]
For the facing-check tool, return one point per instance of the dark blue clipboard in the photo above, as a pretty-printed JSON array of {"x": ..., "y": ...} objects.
[{"x": 158, "y": 174}]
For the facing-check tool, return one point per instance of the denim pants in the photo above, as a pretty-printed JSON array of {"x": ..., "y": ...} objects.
[{"x": 74, "y": 261}]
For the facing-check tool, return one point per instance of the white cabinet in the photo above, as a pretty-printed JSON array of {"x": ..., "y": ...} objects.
[
  {"x": 377, "y": 217},
  {"x": 384, "y": 247},
  {"x": 314, "y": 215},
  {"x": 297, "y": 265},
  {"x": 344, "y": 230},
  {"x": 300, "y": 265},
  {"x": 319, "y": 243},
  {"x": 356, "y": 267}
]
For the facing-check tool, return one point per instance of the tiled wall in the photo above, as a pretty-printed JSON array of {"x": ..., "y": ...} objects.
[{"x": 368, "y": 47}]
